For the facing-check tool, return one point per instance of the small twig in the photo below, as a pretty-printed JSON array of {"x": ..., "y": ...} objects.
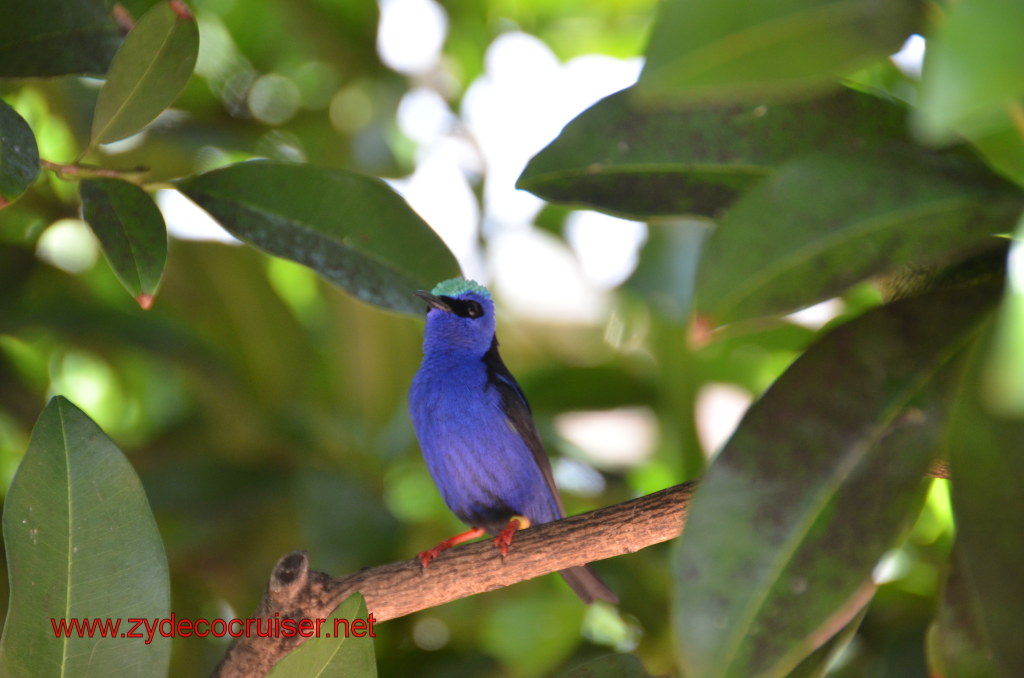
[{"x": 80, "y": 171}]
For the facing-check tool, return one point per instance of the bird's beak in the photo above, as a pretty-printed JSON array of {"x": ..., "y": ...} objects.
[{"x": 434, "y": 302}]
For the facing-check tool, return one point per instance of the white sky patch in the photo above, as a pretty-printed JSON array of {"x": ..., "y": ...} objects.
[
  {"x": 718, "y": 411},
  {"x": 815, "y": 317},
  {"x": 456, "y": 216},
  {"x": 607, "y": 247},
  {"x": 540, "y": 278},
  {"x": 910, "y": 58},
  {"x": 188, "y": 221},
  {"x": 424, "y": 116},
  {"x": 624, "y": 437},
  {"x": 410, "y": 34}
]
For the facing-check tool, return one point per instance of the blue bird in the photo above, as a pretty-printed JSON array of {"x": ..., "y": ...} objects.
[{"x": 476, "y": 431}]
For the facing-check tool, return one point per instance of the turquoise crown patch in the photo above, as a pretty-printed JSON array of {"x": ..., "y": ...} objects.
[{"x": 457, "y": 286}]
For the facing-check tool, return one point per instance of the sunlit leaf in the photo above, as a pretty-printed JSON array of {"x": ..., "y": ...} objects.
[
  {"x": 1004, "y": 368},
  {"x": 81, "y": 544},
  {"x": 19, "y": 156},
  {"x": 734, "y": 50},
  {"x": 132, "y": 232},
  {"x": 56, "y": 37},
  {"x": 985, "y": 454},
  {"x": 335, "y": 655},
  {"x": 147, "y": 73},
  {"x": 971, "y": 76},
  {"x": 352, "y": 229},
  {"x": 824, "y": 222},
  {"x": 821, "y": 477},
  {"x": 630, "y": 160}
]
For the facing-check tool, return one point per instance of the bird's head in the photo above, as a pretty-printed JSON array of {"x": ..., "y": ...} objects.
[{"x": 460, "y": 313}]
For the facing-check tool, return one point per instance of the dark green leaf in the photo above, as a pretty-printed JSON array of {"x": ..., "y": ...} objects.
[
  {"x": 352, "y": 229},
  {"x": 824, "y": 222},
  {"x": 820, "y": 478},
  {"x": 956, "y": 641},
  {"x": 148, "y": 72},
  {"x": 985, "y": 457},
  {"x": 132, "y": 232},
  {"x": 735, "y": 50},
  {"x": 816, "y": 664},
  {"x": 611, "y": 666},
  {"x": 56, "y": 37},
  {"x": 81, "y": 543},
  {"x": 628, "y": 160},
  {"x": 19, "y": 155},
  {"x": 341, "y": 656}
]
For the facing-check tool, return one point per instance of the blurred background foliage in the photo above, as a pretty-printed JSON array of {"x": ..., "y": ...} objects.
[{"x": 265, "y": 409}]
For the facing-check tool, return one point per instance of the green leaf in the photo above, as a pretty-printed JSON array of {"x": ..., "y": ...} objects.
[
  {"x": 735, "y": 50},
  {"x": 816, "y": 664},
  {"x": 328, "y": 655},
  {"x": 352, "y": 229},
  {"x": 971, "y": 75},
  {"x": 666, "y": 273},
  {"x": 957, "y": 647},
  {"x": 40, "y": 38},
  {"x": 985, "y": 459},
  {"x": 19, "y": 155},
  {"x": 132, "y": 232},
  {"x": 624, "y": 159},
  {"x": 148, "y": 72},
  {"x": 611, "y": 666},
  {"x": 824, "y": 222},
  {"x": 81, "y": 544},
  {"x": 1004, "y": 368},
  {"x": 819, "y": 480}
]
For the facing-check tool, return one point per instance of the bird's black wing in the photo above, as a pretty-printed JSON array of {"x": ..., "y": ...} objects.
[{"x": 513, "y": 403}]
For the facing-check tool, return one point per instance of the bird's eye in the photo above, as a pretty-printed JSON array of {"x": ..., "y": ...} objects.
[{"x": 474, "y": 309}]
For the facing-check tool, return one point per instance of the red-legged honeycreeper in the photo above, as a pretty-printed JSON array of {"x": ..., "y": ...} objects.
[{"x": 476, "y": 431}]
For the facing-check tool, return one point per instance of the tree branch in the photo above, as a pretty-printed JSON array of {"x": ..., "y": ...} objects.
[
  {"x": 404, "y": 587},
  {"x": 401, "y": 588}
]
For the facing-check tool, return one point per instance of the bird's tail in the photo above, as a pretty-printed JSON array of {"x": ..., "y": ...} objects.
[{"x": 586, "y": 584}]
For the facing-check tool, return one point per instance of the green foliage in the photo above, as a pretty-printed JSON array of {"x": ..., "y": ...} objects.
[
  {"x": 341, "y": 656},
  {"x": 81, "y": 544},
  {"x": 265, "y": 409},
  {"x": 148, "y": 72},
  {"x": 352, "y": 229}
]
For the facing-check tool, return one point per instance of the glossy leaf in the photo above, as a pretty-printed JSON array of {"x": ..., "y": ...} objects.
[
  {"x": 624, "y": 159},
  {"x": 971, "y": 77},
  {"x": 957, "y": 647},
  {"x": 132, "y": 232},
  {"x": 147, "y": 73},
  {"x": 985, "y": 454},
  {"x": 824, "y": 222},
  {"x": 734, "y": 50},
  {"x": 56, "y": 37},
  {"x": 352, "y": 229},
  {"x": 19, "y": 155},
  {"x": 81, "y": 544},
  {"x": 820, "y": 478},
  {"x": 330, "y": 655}
]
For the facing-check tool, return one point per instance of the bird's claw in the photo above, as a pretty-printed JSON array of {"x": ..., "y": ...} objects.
[{"x": 504, "y": 538}]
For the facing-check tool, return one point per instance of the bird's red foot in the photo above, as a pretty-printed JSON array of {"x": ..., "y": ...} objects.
[
  {"x": 430, "y": 554},
  {"x": 504, "y": 538}
]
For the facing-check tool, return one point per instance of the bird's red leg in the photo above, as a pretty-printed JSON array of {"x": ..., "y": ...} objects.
[
  {"x": 430, "y": 554},
  {"x": 504, "y": 538}
]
